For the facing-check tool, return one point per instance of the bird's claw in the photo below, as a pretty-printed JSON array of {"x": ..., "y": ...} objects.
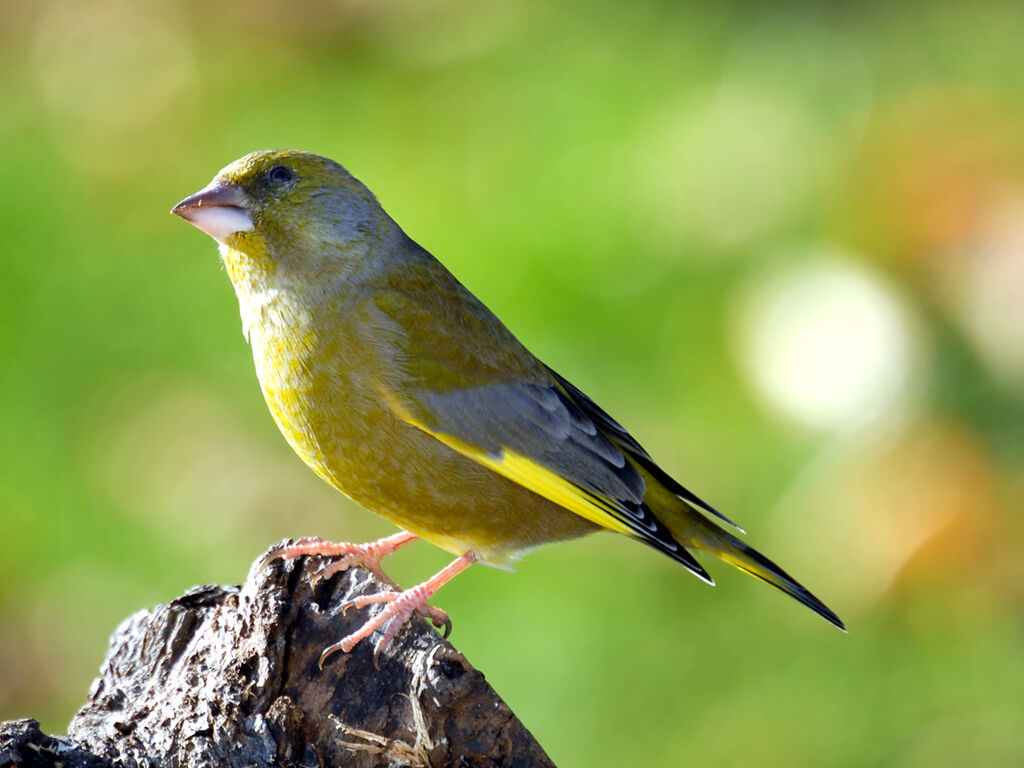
[
  {"x": 340, "y": 555},
  {"x": 307, "y": 545},
  {"x": 399, "y": 609},
  {"x": 437, "y": 617}
]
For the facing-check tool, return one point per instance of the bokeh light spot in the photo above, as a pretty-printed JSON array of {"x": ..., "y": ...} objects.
[
  {"x": 987, "y": 291},
  {"x": 826, "y": 342}
]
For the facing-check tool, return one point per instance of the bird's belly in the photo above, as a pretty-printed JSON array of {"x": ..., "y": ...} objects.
[{"x": 339, "y": 425}]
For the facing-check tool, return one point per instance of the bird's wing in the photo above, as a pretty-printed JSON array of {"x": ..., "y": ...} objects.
[
  {"x": 458, "y": 374},
  {"x": 628, "y": 445},
  {"x": 539, "y": 438}
]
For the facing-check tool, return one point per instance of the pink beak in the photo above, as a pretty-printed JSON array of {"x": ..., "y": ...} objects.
[{"x": 220, "y": 210}]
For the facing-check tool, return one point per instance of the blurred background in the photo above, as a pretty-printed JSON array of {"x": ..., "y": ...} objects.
[{"x": 785, "y": 247}]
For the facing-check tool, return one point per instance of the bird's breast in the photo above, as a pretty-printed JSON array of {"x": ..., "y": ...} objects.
[{"x": 309, "y": 379}]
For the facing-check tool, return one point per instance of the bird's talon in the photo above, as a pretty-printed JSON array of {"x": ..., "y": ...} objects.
[
  {"x": 437, "y": 617},
  {"x": 330, "y": 650},
  {"x": 270, "y": 558},
  {"x": 379, "y": 648}
]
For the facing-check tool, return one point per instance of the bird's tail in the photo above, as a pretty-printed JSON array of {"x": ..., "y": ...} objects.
[
  {"x": 694, "y": 531},
  {"x": 747, "y": 559}
]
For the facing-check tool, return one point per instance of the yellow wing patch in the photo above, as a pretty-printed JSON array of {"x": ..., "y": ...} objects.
[{"x": 541, "y": 480}]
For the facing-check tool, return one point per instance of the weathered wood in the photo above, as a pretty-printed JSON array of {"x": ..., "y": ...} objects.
[
  {"x": 228, "y": 676},
  {"x": 23, "y": 745}
]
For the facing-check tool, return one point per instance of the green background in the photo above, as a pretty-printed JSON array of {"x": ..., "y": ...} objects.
[{"x": 784, "y": 246}]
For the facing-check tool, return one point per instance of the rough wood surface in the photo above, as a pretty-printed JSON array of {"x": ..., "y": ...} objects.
[
  {"x": 228, "y": 676},
  {"x": 23, "y": 745}
]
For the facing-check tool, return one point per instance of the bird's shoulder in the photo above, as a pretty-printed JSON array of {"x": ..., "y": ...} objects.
[{"x": 437, "y": 332}]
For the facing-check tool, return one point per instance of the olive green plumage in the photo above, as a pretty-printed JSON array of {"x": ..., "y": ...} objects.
[{"x": 401, "y": 389}]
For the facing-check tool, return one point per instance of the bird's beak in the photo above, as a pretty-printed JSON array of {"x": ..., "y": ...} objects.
[{"x": 219, "y": 209}]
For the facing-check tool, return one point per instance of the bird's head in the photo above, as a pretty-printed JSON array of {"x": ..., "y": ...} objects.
[{"x": 287, "y": 204}]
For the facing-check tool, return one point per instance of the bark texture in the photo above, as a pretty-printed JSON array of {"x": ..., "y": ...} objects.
[{"x": 229, "y": 676}]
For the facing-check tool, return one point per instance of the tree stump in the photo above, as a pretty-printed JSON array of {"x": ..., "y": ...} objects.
[{"x": 229, "y": 676}]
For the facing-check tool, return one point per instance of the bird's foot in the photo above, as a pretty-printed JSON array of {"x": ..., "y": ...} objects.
[
  {"x": 399, "y": 609},
  {"x": 342, "y": 555}
]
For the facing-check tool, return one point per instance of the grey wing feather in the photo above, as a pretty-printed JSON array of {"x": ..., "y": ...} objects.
[
  {"x": 544, "y": 424},
  {"x": 627, "y": 443}
]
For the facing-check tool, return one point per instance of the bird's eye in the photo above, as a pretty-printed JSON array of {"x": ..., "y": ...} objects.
[{"x": 280, "y": 174}]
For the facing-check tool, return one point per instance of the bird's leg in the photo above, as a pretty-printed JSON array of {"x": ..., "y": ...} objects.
[
  {"x": 401, "y": 606},
  {"x": 344, "y": 555}
]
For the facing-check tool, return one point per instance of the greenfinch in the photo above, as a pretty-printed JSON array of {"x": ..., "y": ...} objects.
[{"x": 402, "y": 390}]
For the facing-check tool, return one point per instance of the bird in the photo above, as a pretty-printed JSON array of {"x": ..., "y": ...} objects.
[{"x": 401, "y": 389}]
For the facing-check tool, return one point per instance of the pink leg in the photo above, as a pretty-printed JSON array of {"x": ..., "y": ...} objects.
[
  {"x": 401, "y": 606},
  {"x": 346, "y": 555}
]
